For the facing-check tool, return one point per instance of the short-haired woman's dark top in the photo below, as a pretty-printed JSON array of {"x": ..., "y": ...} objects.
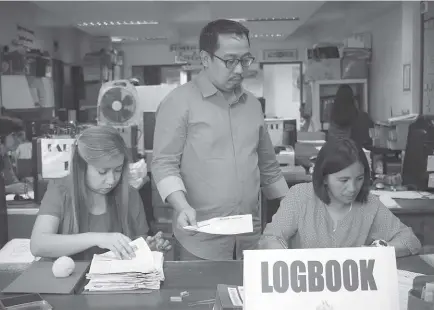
[{"x": 358, "y": 131}]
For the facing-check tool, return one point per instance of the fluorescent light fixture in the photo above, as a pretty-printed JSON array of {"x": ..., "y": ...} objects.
[
  {"x": 266, "y": 35},
  {"x": 267, "y": 19},
  {"x": 112, "y": 23},
  {"x": 135, "y": 39}
]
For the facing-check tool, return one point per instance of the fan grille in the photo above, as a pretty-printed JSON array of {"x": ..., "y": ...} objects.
[{"x": 118, "y": 105}]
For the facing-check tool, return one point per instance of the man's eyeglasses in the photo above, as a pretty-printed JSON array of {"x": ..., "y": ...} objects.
[{"x": 233, "y": 62}]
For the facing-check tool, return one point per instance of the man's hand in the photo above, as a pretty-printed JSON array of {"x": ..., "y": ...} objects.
[
  {"x": 186, "y": 217},
  {"x": 158, "y": 243}
]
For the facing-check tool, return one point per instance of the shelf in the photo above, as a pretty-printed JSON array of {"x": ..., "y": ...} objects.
[{"x": 344, "y": 81}]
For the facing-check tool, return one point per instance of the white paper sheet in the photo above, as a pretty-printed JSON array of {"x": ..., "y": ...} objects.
[
  {"x": 28, "y": 195},
  {"x": 403, "y": 194},
  {"x": 55, "y": 157},
  {"x": 107, "y": 263},
  {"x": 389, "y": 202},
  {"x": 17, "y": 251},
  {"x": 230, "y": 225}
]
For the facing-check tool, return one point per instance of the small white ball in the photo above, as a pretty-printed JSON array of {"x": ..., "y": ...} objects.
[{"x": 63, "y": 267}]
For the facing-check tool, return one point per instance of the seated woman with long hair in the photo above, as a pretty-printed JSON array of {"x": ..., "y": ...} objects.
[
  {"x": 336, "y": 209},
  {"x": 93, "y": 209}
]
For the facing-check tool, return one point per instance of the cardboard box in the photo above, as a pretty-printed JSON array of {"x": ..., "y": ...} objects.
[
  {"x": 229, "y": 297},
  {"x": 416, "y": 303}
]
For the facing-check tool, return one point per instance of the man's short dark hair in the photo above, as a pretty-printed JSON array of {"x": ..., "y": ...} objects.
[
  {"x": 334, "y": 156},
  {"x": 208, "y": 40},
  {"x": 10, "y": 125}
]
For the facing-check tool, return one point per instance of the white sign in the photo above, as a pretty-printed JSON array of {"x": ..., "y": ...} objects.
[
  {"x": 186, "y": 53},
  {"x": 321, "y": 279},
  {"x": 56, "y": 157}
]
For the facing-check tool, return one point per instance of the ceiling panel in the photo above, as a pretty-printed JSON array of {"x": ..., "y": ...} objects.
[
  {"x": 178, "y": 20},
  {"x": 337, "y": 19}
]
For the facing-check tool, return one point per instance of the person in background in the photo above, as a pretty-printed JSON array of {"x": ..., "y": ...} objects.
[
  {"x": 347, "y": 120},
  {"x": 94, "y": 208},
  {"x": 11, "y": 136},
  {"x": 212, "y": 151},
  {"x": 336, "y": 209}
]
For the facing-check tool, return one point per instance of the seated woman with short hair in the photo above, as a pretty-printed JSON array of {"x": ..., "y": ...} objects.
[
  {"x": 11, "y": 136},
  {"x": 336, "y": 209},
  {"x": 93, "y": 209}
]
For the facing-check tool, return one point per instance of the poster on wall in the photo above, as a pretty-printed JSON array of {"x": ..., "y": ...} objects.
[
  {"x": 186, "y": 53},
  {"x": 281, "y": 55},
  {"x": 25, "y": 37}
]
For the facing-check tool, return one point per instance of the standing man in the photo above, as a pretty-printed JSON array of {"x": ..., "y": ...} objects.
[{"x": 212, "y": 151}]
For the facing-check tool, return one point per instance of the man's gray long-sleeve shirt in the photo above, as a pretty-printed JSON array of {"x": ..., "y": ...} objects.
[{"x": 220, "y": 154}]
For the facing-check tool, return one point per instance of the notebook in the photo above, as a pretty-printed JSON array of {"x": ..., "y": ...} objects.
[{"x": 30, "y": 280}]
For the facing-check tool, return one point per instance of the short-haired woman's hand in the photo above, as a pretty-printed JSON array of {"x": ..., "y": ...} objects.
[
  {"x": 118, "y": 243},
  {"x": 158, "y": 243}
]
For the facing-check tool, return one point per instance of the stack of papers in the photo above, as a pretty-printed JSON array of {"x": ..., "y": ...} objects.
[
  {"x": 405, "y": 284},
  {"x": 110, "y": 274}
]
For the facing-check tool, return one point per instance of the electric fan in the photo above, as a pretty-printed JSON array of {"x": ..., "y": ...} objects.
[{"x": 117, "y": 104}]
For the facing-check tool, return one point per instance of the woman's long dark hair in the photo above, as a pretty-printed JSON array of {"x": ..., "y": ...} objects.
[
  {"x": 344, "y": 111},
  {"x": 96, "y": 144}
]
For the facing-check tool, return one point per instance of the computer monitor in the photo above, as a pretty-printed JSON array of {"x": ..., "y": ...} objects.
[{"x": 418, "y": 165}]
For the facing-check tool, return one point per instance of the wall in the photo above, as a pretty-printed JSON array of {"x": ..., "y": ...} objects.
[
  {"x": 73, "y": 43},
  {"x": 385, "y": 83},
  {"x": 159, "y": 54},
  {"x": 428, "y": 68},
  {"x": 395, "y": 42},
  {"x": 279, "y": 91}
]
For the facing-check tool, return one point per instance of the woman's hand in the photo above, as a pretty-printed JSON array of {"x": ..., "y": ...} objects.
[
  {"x": 118, "y": 243},
  {"x": 158, "y": 243}
]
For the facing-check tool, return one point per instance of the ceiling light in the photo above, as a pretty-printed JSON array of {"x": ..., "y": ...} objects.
[
  {"x": 107, "y": 23},
  {"x": 117, "y": 39},
  {"x": 267, "y": 35},
  {"x": 267, "y": 19},
  {"x": 155, "y": 38},
  {"x": 135, "y": 39}
]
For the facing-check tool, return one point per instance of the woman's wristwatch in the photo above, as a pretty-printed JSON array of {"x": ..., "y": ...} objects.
[{"x": 379, "y": 243}]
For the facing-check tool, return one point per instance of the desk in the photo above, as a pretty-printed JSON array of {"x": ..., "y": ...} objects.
[{"x": 198, "y": 278}]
